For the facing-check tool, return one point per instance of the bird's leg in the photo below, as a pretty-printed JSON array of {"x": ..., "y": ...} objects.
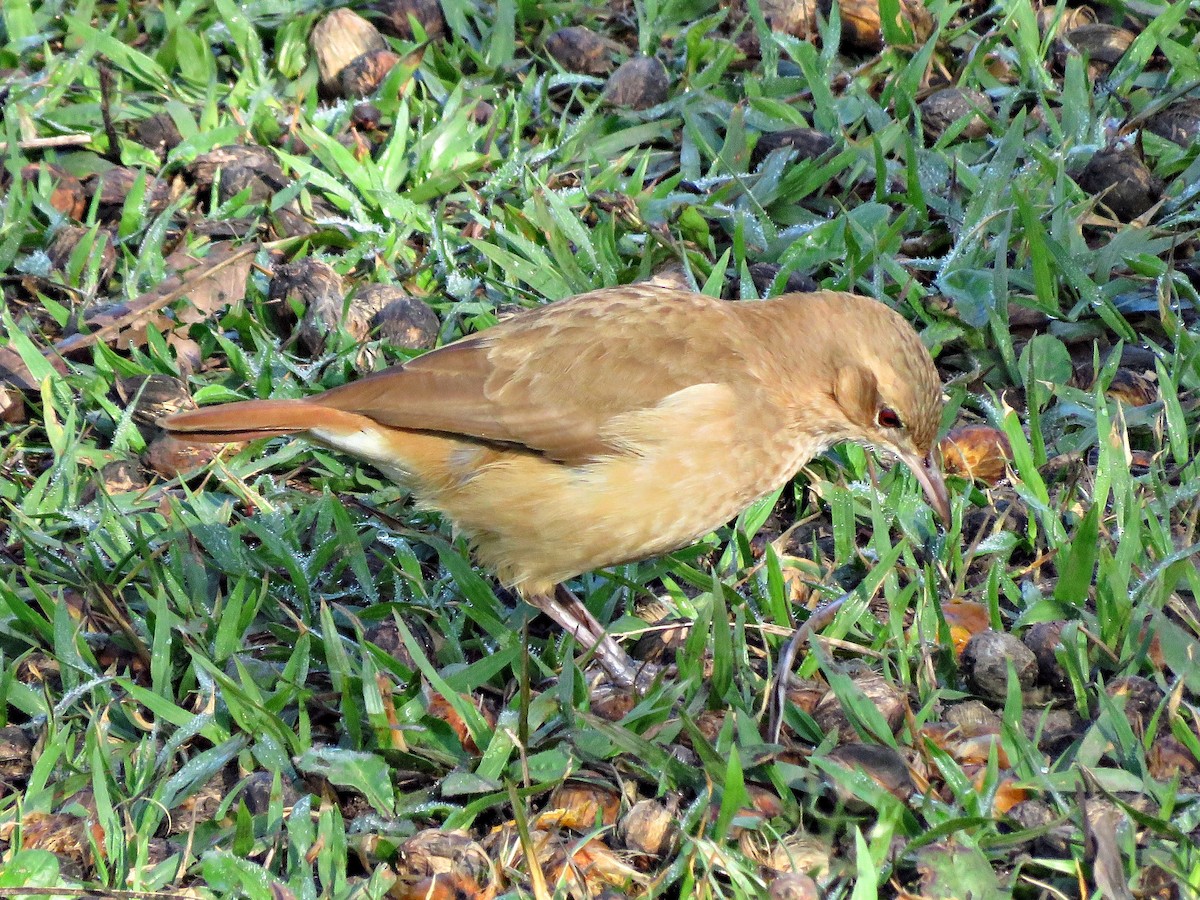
[
  {"x": 819, "y": 618},
  {"x": 569, "y": 612}
]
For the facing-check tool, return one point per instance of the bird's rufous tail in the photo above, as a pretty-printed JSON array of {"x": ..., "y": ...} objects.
[{"x": 251, "y": 419}]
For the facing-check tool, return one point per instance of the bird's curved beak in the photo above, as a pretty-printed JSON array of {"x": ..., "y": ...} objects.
[{"x": 929, "y": 473}]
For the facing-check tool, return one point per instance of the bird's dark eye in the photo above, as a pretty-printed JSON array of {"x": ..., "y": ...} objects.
[{"x": 887, "y": 418}]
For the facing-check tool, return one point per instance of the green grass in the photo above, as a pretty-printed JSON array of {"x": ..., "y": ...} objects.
[{"x": 265, "y": 677}]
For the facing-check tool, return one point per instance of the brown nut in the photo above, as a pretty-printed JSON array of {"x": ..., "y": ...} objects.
[
  {"x": 945, "y": 107},
  {"x": 1121, "y": 182},
  {"x": 579, "y": 49},
  {"x": 639, "y": 83},
  {"x": 978, "y": 452},
  {"x": 337, "y": 40}
]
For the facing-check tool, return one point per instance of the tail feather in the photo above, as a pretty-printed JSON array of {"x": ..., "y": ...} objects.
[{"x": 252, "y": 419}]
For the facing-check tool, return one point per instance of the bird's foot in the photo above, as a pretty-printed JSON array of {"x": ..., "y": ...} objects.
[
  {"x": 568, "y": 611},
  {"x": 819, "y": 618}
]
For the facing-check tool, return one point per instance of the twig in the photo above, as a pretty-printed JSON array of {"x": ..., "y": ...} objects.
[
  {"x": 164, "y": 295},
  {"x": 59, "y": 140},
  {"x": 106, "y": 97}
]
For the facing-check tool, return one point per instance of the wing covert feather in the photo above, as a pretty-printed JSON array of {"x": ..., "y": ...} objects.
[{"x": 532, "y": 381}]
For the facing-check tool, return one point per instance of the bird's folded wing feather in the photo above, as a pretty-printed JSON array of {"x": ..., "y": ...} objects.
[{"x": 537, "y": 385}]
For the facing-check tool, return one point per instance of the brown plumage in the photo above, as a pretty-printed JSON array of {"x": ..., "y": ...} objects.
[{"x": 619, "y": 424}]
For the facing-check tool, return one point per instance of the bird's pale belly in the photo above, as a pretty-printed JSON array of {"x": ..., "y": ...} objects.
[{"x": 537, "y": 522}]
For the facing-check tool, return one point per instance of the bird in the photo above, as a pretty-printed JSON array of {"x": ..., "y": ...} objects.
[{"x": 617, "y": 425}]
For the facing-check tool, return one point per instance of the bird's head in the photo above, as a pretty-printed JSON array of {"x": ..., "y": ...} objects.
[{"x": 889, "y": 391}]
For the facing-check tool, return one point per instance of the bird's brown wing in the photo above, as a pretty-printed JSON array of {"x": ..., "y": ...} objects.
[{"x": 553, "y": 380}]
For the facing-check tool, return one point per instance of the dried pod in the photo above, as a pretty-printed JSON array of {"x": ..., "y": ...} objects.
[
  {"x": 66, "y": 191},
  {"x": 300, "y": 286},
  {"x": 709, "y": 723},
  {"x": 889, "y": 699},
  {"x": 260, "y": 186},
  {"x": 805, "y": 693},
  {"x": 256, "y": 792},
  {"x": 1008, "y": 792},
  {"x": 764, "y": 274},
  {"x": 112, "y": 188},
  {"x": 883, "y": 765},
  {"x": 976, "y": 749},
  {"x": 71, "y": 240},
  {"x": 1005, "y": 514},
  {"x": 639, "y": 83},
  {"x": 1141, "y": 696},
  {"x": 287, "y": 222},
  {"x": 1148, "y": 636},
  {"x": 986, "y": 660},
  {"x": 945, "y": 107},
  {"x": 794, "y": 17},
  {"x": 764, "y": 801},
  {"x": 1036, "y": 816},
  {"x": 67, "y": 836},
  {"x": 581, "y": 806},
  {"x": 1050, "y": 23},
  {"x": 1120, "y": 181},
  {"x": 861, "y": 26},
  {"x": 1101, "y": 45},
  {"x": 158, "y": 133},
  {"x": 579, "y": 49},
  {"x": 599, "y": 870},
  {"x": 670, "y": 275},
  {"x": 583, "y": 868},
  {"x": 649, "y": 828},
  {"x": 482, "y": 112},
  {"x": 16, "y": 756},
  {"x": 172, "y": 458},
  {"x": 116, "y": 657},
  {"x": 12, "y": 405},
  {"x": 363, "y": 74},
  {"x": 965, "y": 619},
  {"x": 660, "y": 642},
  {"x": 39, "y": 669},
  {"x": 1169, "y": 757},
  {"x": 808, "y": 143},
  {"x": 437, "y": 852},
  {"x": 1053, "y": 729},
  {"x": 977, "y": 452},
  {"x": 153, "y": 397},
  {"x": 1132, "y": 388},
  {"x": 451, "y": 886},
  {"x": 205, "y": 169},
  {"x": 796, "y": 854},
  {"x": 793, "y": 886},
  {"x": 337, "y": 40},
  {"x": 121, "y": 476},
  {"x": 1002, "y": 68},
  {"x": 327, "y": 312},
  {"x": 158, "y": 851},
  {"x": 1179, "y": 122},
  {"x": 1044, "y": 639},
  {"x": 1156, "y": 883},
  {"x": 438, "y": 707},
  {"x": 385, "y": 635},
  {"x": 396, "y": 18},
  {"x": 612, "y": 702},
  {"x": 403, "y": 320}
]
